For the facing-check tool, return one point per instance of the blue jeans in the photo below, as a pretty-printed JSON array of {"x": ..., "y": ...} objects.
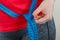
[{"x": 47, "y": 31}]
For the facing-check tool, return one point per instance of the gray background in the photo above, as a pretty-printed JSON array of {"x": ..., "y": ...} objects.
[{"x": 57, "y": 18}]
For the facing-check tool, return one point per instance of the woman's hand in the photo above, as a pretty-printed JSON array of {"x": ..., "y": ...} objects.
[{"x": 46, "y": 7}]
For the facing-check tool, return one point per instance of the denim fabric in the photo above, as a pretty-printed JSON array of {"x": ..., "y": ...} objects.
[{"x": 47, "y": 31}]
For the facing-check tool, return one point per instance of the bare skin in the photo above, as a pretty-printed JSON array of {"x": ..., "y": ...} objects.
[{"x": 47, "y": 8}]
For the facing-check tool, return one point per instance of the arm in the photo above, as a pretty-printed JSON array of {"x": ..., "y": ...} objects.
[{"x": 47, "y": 8}]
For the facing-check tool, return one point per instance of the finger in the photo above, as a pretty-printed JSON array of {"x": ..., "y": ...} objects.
[
  {"x": 49, "y": 19},
  {"x": 38, "y": 17},
  {"x": 42, "y": 20}
]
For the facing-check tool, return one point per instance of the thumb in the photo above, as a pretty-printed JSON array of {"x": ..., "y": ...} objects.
[{"x": 36, "y": 12}]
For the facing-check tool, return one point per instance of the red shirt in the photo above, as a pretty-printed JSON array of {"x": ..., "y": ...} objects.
[{"x": 9, "y": 24}]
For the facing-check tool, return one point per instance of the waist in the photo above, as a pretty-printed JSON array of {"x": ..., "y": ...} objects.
[
  {"x": 12, "y": 28},
  {"x": 8, "y": 24}
]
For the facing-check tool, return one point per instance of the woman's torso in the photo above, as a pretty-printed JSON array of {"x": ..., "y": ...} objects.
[{"x": 7, "y": 23}]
